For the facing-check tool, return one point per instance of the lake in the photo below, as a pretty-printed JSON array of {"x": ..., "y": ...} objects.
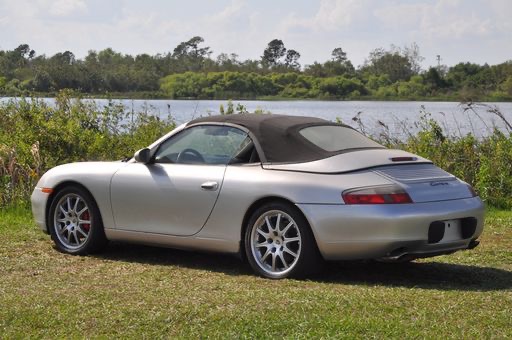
[{"x": 398, "y": 116}]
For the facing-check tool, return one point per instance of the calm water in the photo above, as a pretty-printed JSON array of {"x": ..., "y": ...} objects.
[{"x": 399, "y": 117}]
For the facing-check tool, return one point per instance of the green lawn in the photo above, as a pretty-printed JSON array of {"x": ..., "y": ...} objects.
[{"x": 135, "y": 291}]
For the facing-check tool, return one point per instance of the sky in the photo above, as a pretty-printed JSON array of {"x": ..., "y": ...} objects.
[{"x": 478, "y": 31}]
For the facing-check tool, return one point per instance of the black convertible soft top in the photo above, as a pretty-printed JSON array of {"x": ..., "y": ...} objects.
[{"x": 277, "y": 135}]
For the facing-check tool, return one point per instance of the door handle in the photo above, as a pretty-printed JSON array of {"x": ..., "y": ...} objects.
[{"x": 210, "y": 186}]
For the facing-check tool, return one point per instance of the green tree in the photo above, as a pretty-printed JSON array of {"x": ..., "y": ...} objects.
[
  {"x": 434, "y": 79},
  {"x": 189, "y": 56},
  {"x": 506, "y": 86},
  {"x": 337, "y": 66},
  {"x": 462, "y": 74},
  {"x": 412, "y": 53},
  {"x": 339, "y": 55},
  {"x": 292, "y": 59},
  {"x": 274, "y": 51},
  {"x": 392, "y": 63}
]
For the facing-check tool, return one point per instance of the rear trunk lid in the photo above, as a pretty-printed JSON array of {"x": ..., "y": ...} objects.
[
  {"x": 351, "y": 161},
  {"x": 423, "y": 181},
  {"x": 426, "y": 182}
]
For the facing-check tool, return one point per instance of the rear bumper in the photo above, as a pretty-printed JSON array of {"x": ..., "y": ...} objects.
[{"x": 349, "y": 232}]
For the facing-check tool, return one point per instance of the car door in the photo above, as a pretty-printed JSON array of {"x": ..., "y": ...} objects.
[{"x": 176, "y": 192}]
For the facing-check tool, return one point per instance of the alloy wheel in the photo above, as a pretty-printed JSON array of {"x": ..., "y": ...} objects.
[
  {"x": 72, "y": 221},
  {"x": 276, "y": 242}
]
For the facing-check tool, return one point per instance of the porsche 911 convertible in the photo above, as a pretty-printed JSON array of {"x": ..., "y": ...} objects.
[{"x": 284, "y": 192}]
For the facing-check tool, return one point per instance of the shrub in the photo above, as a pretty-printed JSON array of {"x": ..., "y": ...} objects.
[
  {"x": 35, "y": 137},
  {"x": 484, "y": 162}
]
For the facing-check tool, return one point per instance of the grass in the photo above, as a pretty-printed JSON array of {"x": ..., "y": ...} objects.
[{"x": 137, "y": 291}]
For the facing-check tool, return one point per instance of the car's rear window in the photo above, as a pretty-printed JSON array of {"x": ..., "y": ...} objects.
[{"x": 333, "y": 138}]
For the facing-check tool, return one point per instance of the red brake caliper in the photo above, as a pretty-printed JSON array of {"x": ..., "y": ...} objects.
[{"x": 85, "y": 216}]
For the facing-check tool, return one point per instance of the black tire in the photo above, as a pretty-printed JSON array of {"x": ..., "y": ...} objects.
[
  {"x": 273, "y": 251},
  {"x": 71, "y": 209}
]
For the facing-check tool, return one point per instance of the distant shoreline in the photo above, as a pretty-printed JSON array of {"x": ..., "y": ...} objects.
[{"x": 161, "y": 96}]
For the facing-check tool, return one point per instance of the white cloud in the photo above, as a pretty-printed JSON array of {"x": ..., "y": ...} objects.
[
  {"x": 331, "y": 15},
  {"x": 13, "y": 10},
  {"x": 227, "y": 14},
  {"x": 444, "y": 19},
  {"x": 400, "y": 16},
  {"x": 478, "y": 30},
  {"x": 66, "y": 7},
  {"x": 334, "y": 14}
]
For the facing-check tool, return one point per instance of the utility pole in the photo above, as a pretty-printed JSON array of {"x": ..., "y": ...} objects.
[{"x": 438, "y": 62}]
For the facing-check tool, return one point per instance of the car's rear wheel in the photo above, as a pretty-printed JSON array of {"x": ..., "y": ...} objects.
[
  {"x": 75, "y": 223},
  {"x": 279, "y": 242}
]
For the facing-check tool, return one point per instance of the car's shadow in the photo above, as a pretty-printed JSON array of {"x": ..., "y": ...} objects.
[{"x": 426, "y": 275}]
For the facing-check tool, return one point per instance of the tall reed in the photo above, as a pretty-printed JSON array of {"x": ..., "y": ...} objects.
[{"x": 484, "y": 161}]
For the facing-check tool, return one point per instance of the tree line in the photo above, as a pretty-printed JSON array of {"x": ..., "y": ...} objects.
[{"x": 190, "y": 71}]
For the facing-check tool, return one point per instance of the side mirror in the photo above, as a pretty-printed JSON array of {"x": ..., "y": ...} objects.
[{"x": 143, "y": 156}]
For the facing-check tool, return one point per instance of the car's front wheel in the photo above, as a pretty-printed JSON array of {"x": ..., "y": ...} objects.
[
  {"x": 279, "y": 242},
  {"x": 75, "y": 223}
]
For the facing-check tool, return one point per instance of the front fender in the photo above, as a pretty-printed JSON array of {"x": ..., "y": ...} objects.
[{"x": 93, "y": 176}]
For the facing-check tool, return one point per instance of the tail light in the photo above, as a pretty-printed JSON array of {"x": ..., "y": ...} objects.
[{"x": 377, "y": 195}]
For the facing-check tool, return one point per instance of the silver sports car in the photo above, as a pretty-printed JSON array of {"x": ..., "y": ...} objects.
[{"x": 284, "y": 192}]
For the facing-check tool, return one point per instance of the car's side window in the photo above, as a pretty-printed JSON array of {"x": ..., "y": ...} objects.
[{"x": 204, "y": 144}]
